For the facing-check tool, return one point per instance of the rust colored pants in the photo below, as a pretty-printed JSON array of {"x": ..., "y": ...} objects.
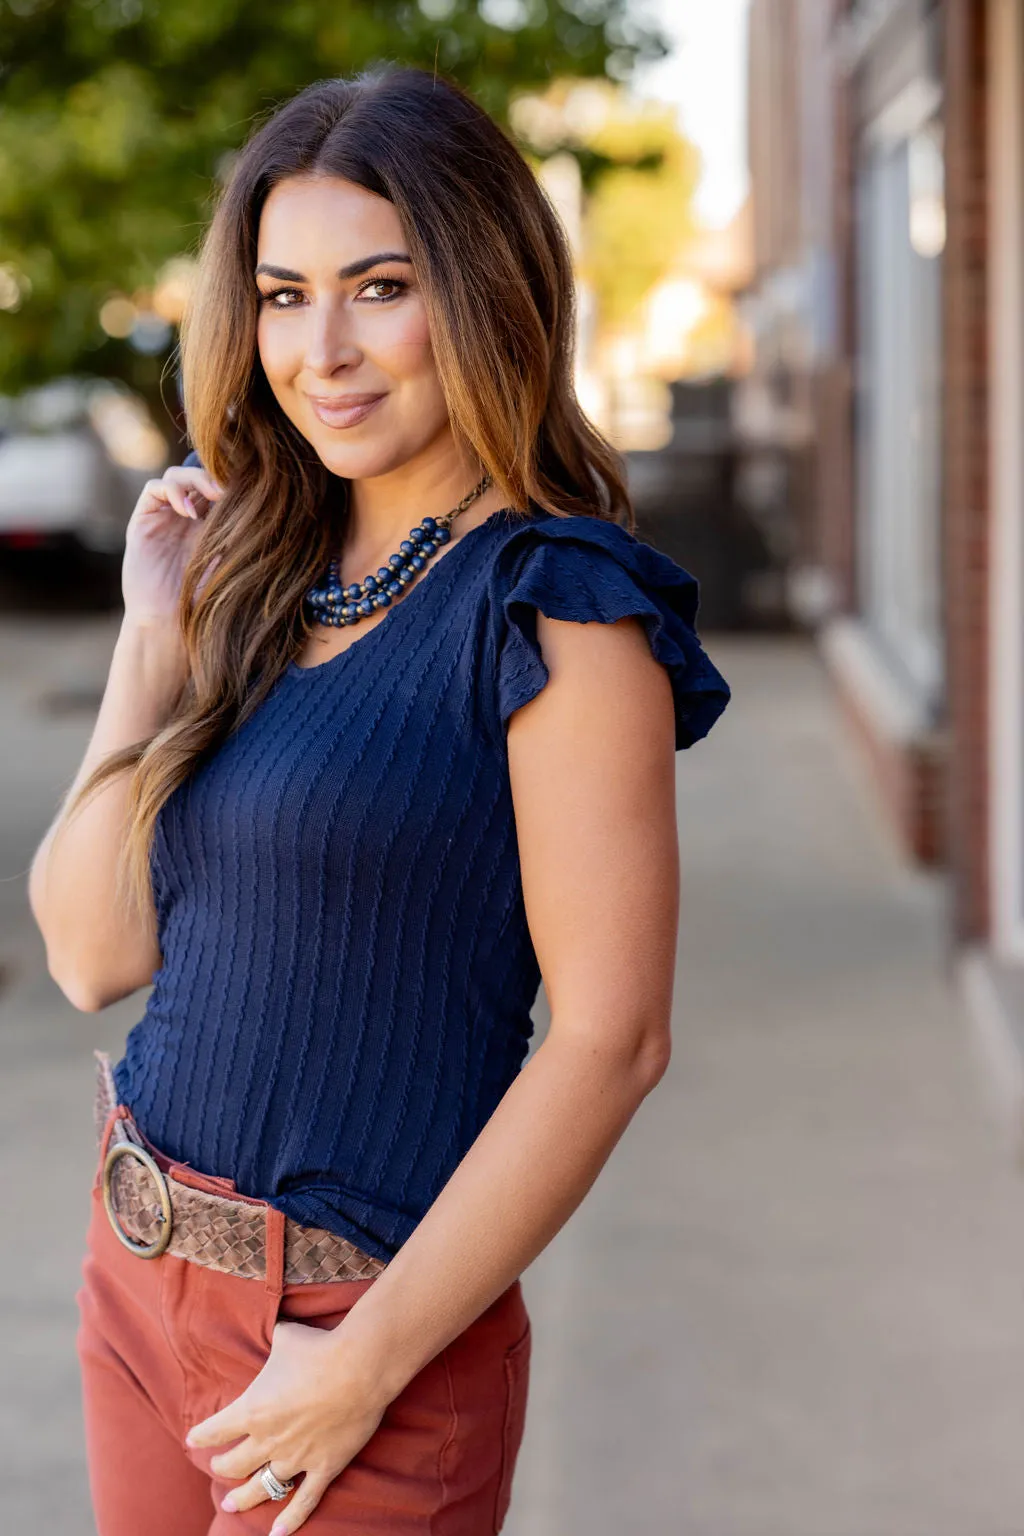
[{"x": 164, "y": 1343}]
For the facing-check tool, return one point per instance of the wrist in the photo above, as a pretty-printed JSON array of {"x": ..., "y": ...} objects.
[
  {"x": 157, "y": 640},
  {"x": 372, "y": 1355},
  {"x": 159, "y": 628},
  {"x": 151, "y": 653}
]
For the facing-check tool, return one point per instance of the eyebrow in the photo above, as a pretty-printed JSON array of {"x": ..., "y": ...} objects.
[{"x": 354, "y": 268}]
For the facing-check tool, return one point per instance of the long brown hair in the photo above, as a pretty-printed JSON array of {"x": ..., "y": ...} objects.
[{"x": 492, "y": 260}]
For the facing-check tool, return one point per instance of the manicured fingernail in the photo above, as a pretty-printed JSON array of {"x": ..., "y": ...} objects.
[
  {"x": 279, "y": 1529},
  {"x": 228, "y": 1503}
]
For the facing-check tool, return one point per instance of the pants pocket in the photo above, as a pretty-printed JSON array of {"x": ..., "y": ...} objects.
[{"x": 517, "y": 1380}]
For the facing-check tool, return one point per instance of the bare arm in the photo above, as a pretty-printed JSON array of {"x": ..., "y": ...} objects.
[
  {"x": 592, "y": 769},
  {"x": 98, "y": 947}
]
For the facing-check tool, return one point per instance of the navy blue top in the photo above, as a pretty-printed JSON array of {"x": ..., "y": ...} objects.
[{"x": 347, "y": 973}]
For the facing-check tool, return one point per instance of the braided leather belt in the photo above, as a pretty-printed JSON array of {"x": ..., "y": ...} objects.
[{"x": 151, "y": 1212}]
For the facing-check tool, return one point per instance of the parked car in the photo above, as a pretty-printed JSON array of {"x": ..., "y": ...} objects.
[{"x": 74, "y": 456}]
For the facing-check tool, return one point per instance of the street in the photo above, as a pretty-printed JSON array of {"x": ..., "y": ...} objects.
[{"x": 793, "y": 1305}]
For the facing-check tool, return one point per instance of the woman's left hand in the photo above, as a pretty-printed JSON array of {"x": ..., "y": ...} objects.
[{"x": 308, "y": 1413}]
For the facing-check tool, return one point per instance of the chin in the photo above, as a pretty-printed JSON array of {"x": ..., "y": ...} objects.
[
  {"x": 351, "y": 465},
  {"x": 360, "y": 461}
]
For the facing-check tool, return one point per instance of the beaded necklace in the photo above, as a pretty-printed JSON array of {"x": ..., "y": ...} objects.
[{"x": 335, "y": 605}]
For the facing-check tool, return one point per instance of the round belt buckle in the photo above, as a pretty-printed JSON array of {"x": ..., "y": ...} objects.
[{"x": 131, "y": 1149}]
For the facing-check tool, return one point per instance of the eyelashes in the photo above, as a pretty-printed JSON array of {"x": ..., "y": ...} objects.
[
  {"x": 391, "y": 282},
  {"x": 269, "y": 300}
]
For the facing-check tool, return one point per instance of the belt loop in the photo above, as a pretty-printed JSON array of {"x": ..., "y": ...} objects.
[
  {"x": 274, "y": 1250},
  {"x": 117, "y": 1112},
  {"x": 105, "y": 1135}
]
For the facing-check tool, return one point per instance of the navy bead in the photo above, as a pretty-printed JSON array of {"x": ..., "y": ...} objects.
[{"x": 336, "y": 605}]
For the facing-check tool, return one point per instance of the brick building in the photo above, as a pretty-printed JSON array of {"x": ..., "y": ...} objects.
[{"x": 887, "y": 166}]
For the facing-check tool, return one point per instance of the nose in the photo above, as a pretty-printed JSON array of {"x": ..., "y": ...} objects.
[{"x": 329, "y": 344}]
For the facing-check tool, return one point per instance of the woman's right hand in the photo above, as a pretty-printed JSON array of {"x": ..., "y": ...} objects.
[{"x": 159, "y": 540}]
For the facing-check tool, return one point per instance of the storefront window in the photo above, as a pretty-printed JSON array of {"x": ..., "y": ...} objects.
[{"x": 901, "y": 227}]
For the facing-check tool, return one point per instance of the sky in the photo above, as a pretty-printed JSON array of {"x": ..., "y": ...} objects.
[{"x": 705, "y": 77}]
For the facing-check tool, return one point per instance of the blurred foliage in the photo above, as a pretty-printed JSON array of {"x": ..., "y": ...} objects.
[
  {"x": 115, "y": 116},
  {"x": 639, "y": 174},
  {"x": 639, "y": 215}
]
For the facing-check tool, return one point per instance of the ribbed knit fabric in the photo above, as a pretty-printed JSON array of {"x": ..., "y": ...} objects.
[{"x": 347, "y": 973}]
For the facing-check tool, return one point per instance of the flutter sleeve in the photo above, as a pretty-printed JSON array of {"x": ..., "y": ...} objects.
[{"x": 584, "y": 569}]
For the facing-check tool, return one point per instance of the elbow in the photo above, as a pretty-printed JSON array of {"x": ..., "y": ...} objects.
[
  {"x": 651, "y": 1059},
  {"x": 80, "y": 991},
  {"x": 629, "y": 1057},
  {"x": 35, "y": 893},
  {"x": 83, "y": 989},
  {"x": 92, "y": 969},
  {"x": 639, "y": 1060},
  {"x": 85, "y": 1002}
]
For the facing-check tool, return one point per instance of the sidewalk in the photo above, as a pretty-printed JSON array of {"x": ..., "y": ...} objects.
[{"x": 793, "y": 1305}]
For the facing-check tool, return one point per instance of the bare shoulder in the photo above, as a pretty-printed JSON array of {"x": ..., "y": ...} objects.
[
  {"x": 592, "y": 770},
  {"x": 604, "y": 684}
]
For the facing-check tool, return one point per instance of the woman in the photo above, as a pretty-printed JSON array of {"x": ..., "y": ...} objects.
[{"x": 345, "y": 861}]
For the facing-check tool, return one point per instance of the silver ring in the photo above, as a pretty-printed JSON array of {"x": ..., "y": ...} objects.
[{"x": 275, "y": 1488}]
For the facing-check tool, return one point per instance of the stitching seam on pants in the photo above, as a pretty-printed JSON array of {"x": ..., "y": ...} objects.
[
  {"x": 449, "y": 1439},
  {"x": 162, "y": 1314}
]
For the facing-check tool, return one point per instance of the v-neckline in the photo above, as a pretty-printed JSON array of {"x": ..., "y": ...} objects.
[{"x": 293, "y": 669}]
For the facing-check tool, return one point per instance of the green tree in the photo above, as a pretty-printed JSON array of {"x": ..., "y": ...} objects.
[
  {"x": 640, "y": 214},
  {"x": 117, "y": 115},
  {"x": 638, "y": 173}
]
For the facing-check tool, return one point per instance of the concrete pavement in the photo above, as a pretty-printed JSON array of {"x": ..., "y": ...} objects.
[{"x": 793, "y": 1305}]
